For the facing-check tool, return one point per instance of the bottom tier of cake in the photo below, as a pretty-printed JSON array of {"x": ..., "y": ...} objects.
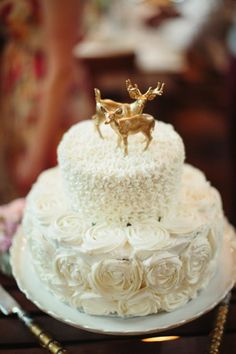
[{"x": 125, "y": 270}]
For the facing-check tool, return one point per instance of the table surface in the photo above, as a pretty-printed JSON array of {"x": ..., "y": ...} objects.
[{"x": 193, "y": 337}]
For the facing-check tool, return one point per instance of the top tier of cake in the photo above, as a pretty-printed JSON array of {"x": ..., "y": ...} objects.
[{"x": 104, "y": 185}]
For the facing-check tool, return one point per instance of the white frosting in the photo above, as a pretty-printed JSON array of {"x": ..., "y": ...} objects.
[
  {"x": 174, "y": 300},
  {"x": 67, "y": 228},
  {"x": 103, "y": 239},
  {"x": 44, "y": 208},
  {"x": 94, "y": 304},
  {"x": 146, "y": 237},
  {"x": 197, "y": 258},
  {"x": 42, "y": 250},
  {"x": 116, "y": 279},
  {"x": 185, "y": 220},
  {"x": 143, "y": 303},
  {"x": 71, "y": 270},
  {"x": 103, "y": 185},
  {"x": 106, "y": 266},
  {"x": 164, "y": 272}
]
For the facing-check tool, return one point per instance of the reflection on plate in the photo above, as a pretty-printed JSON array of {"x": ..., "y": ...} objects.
[{"x": 30, "y": 284}]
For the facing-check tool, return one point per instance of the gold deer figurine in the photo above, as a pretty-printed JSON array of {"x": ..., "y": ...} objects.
[
  {"x": 99, "y": 116},
  {"x": 137, "y": 107},
  {"x": 127, "y": 109},
  {"x": 138, "y": 123}
]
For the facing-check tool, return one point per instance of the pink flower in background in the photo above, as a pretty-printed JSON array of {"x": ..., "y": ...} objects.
[{"x": 10, "y": 218}]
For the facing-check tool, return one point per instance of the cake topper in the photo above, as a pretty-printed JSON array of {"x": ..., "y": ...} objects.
[
  {"x": 127, "y": 118},
  {"x": 125, "y": 126}
]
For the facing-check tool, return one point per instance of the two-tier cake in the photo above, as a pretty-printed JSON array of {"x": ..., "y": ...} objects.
[{"x": 126, "y": 235}]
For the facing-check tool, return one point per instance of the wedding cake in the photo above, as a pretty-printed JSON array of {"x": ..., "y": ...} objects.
[{"x": 123, "y": 235}]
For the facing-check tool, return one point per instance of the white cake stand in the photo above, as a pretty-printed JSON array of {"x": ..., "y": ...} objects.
[{"x": 34, "y": 290}]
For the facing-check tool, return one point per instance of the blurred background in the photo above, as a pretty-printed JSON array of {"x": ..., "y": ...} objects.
[{"x": 53, "y": 53}]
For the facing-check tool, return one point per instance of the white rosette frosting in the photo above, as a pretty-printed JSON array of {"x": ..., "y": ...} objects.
[
  {"x": 45, "y": 207},
  {"x": 71, "y": 270},
  {"x": 68, "y": 228},
  {"x": 103, "y": 238},
  {"x": 163, "y": 272},
  {"x": 193, "y": 177},
  {"x": 148, "y": 236},
  {"x": 49, "y": 178},
  {"x": 174, "y": 300},
  {"x": 115, "y": 279},
  {"x": 199, "y": 194},
  {"x": 93, "y": 304},
  {"x": 185, "y": 221},
  {"x": 196, "y": 259},
  {"x": 142, "y": 303}
]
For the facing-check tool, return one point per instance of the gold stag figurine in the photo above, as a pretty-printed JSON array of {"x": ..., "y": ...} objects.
[
  {"x": 138, "y": 123},
  {"x": 126, "y": 109},
  {"x": 138, "y": 105}
]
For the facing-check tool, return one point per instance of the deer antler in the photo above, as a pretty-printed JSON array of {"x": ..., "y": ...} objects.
[
  {"x": 152, "y": 93},
  {"x": 133, "y": 90}
]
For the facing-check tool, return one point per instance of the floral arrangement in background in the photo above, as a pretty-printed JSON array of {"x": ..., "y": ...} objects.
[{"x": 10, "y": 219}]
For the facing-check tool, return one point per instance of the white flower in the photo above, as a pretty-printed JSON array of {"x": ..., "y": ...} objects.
[
  {"x": 193, "y": 177},
  {"x": 44, "y": 207},
  {"x": 148, "y": 236},
  {"x": 49, "y": 178},
  {"x": 142, "y": 303},
  {"x": 103, "y": 238},
  {"x": 68, "y": 228},
  {"x": 116, "y": 278},
  {"x": 163, "y": 272},
  {"x": 196, "y": 259},
  {"x": 230, "y": 233},
  {"x": 184, "y": 222},
  {"x": 93, "y": 304},
  {"x": 174, "y": 300},
  {"x": 71, "y": 270},
  {"x": 197, "y": 190},
  {"x": 198, "y": 193},
  {"x": 199, "y": 198}
]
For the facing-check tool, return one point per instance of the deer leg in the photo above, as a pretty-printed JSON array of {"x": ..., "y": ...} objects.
[
  {"x": 148, "y": 140},
  {"x": 119, "y": 140},
  {"x": 97, "y": 123},
  {"x": 125, "y": 141},
  {"x": 99, "y": 131}
]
